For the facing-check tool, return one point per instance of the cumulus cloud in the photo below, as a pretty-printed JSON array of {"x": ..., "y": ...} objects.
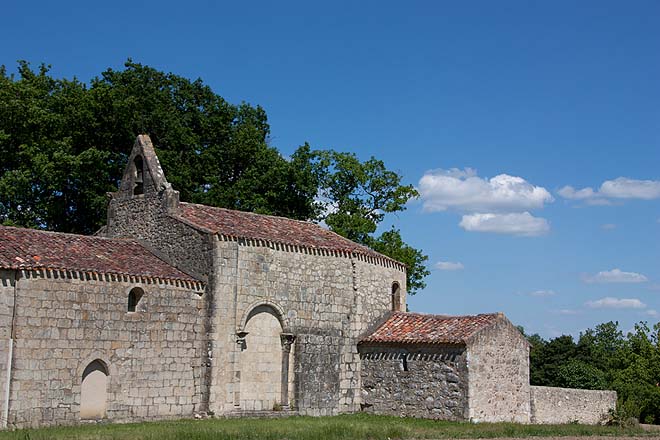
[
  {"x": 619, "y": 188},
  {"x": 517, "y": 223},
  {"x": 463, "y": 190},
  {"x": 616, "y": 303},
  {"x": 652, "y": 313},
  {"x": 568, "y": 312},
  {"x": 616, "y": 276},
  {"x": 449, "y": 265}
]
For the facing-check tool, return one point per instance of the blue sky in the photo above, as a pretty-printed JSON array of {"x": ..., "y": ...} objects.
[{"x": 559, "y": 99}]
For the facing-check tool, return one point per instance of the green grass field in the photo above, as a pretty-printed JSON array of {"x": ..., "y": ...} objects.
[{"x": 345, "y": 427}]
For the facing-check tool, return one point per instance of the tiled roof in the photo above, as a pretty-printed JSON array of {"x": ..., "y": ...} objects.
[
  {"x": 282, "y": 230},
  {"x": 32, "y": 249},
  {"x": 402, "y": 327}
]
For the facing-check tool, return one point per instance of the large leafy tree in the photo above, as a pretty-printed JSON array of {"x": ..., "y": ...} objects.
[
  {"x": 64, "y": 145},
  {"x": 355, "y": 197}
]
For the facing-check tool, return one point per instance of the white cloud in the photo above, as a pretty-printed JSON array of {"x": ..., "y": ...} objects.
[
  {"x": 608, "y": 226},
  {"x": 624, "y": 188},
  {"x": 619, "y": 188},
  {"x": 541, "y": 293},
  {"x": 449, "y": 265},
  {"x": 568, "y": 312},
  {"x": 522, "y": 224},
  {"x": 464, "y": 191},
  {"x": 568, "y": 192},
  {"x": 652, "y": 313},
  {"x": 616, "y": 276},
  {"x": 616, "y": 303}
]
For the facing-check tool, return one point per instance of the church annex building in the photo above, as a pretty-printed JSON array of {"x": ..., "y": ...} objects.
[{"x": 177, "y": 310}]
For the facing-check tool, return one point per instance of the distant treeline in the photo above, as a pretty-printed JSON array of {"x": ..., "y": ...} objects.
[{"x": 604, "y": 358}]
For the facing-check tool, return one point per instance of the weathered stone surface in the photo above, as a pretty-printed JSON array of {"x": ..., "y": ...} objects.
[
  {"x": 498, "y": 374},
  {"x": 7, "y": 284},
  {"x": 326, "y": 300},
  {"x": 278, "y": 324},
  {"x": 415, "y": 381},
  {"x": 154, "y": 356},
  {"x": 564, "y": 405}
]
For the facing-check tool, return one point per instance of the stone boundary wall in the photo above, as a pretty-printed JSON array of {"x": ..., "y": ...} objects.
[
  {"x": 566, "y": 405},
  {"x": 415, "y": 381}
]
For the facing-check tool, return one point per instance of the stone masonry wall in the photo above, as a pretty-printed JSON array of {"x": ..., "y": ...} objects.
[
  {"x": 146, "y": 219},
  {"x": 564, "y": 405},
  {"x": 323, "y": 299},
  {"x": 7, "y": 279},
  {"x": 498, "y": 365},
  {"x": 154, "y": 356},
  {"x": 372, "y": 302},
  {"x": 415, "y": 381}
]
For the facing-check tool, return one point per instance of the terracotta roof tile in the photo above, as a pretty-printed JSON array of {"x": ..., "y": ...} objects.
[
  {"x": 283, "y": 230},
  {"x": 402, "y": 327},
  {"x": 32, "y": 249}
]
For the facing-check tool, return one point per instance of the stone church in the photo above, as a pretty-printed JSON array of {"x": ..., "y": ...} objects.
[{"x": 179, "y": 310}]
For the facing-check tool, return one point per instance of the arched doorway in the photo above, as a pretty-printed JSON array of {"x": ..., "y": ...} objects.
[
  {"x": 94, "y": 391},
  {"x": 261, "y": 361}
]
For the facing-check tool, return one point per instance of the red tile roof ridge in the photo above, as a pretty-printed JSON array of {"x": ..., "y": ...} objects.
[
  {"x": 434, "y": 315},
  {"x": 354, "y": 247},
  {"x": 71, "y": 234},
  {"x": 412, "y": 327},
  {"x": 21, "y": 249},
  {"x": 278, "y": 217}
]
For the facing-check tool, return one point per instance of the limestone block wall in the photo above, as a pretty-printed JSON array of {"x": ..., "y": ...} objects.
[
  {"x": 415, "y": 381},
  {"x": 323, "y": 300},
  {"x": 372, "y": 301},
  {"x": 498, "y": 366},
  {"x": 564, "y": 405},
  {"x": 64, "y": 321},
  {"x": 146, "y": 218},
  {"x": 7, "y": 283}
]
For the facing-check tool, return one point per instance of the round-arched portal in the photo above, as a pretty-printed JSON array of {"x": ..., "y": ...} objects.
[
  {"x": 261, "y": 361},
  {"x": 94, "y": 391}
]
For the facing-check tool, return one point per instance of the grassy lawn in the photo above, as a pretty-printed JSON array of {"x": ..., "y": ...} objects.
[{"x": 345, "y": 427}]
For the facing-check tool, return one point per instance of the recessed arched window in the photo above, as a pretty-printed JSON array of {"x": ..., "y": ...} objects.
[
  {"x": 396, "y": 297},
  {"x": 138, "y": 187},
  {"x": 134, "y": 297}
]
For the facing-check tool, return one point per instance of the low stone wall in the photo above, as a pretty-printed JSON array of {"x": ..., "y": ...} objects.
[
  {"x": 566, "y": 405},
  {"x": 415, "y": 381}
]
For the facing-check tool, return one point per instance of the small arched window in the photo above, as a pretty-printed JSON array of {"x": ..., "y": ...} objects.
[
  {"x": 134, "y": 297},
  {"x": 138, "y": 187},
  {"x": 396, "y": 297}
]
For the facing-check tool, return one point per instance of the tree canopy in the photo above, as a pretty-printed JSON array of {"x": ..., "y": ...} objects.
[
  {"x": 64, "y": 145},
  {"x": 603, "y": 358}
]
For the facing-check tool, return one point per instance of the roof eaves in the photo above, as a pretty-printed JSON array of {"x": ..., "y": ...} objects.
[{"x": 131, "y": 277}]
